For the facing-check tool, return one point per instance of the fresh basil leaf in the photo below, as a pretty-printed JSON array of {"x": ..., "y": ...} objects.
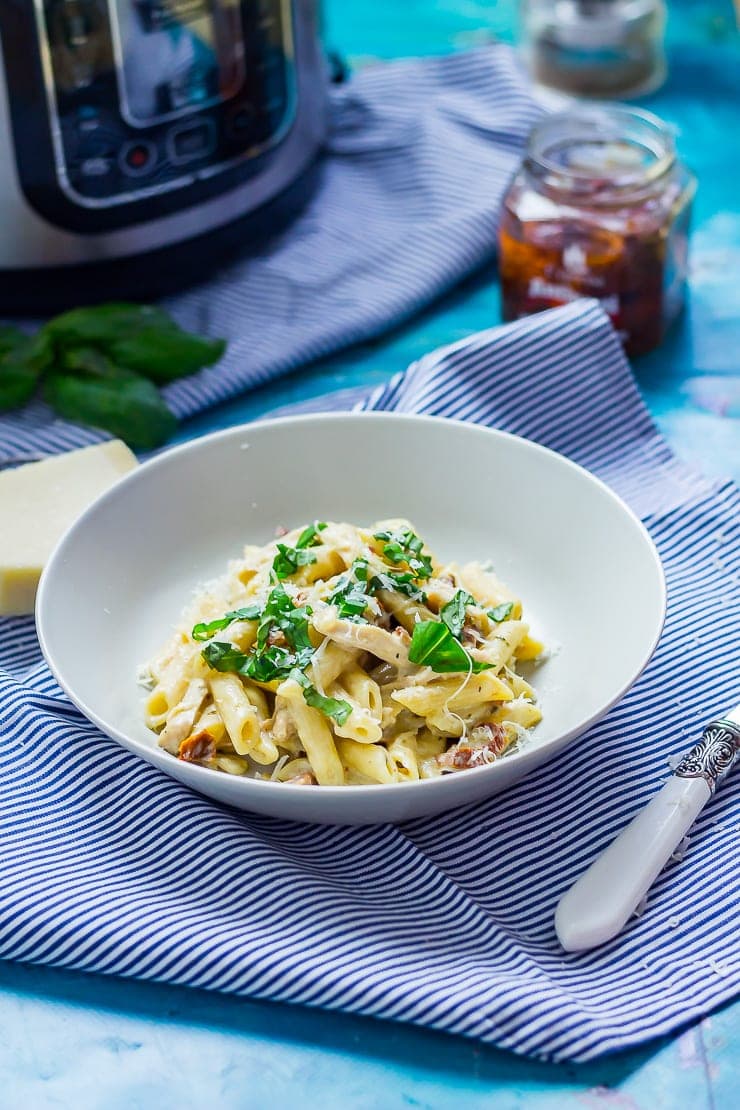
[
  {"x": 164, "y": 355},
  {"x": 274, "y": 663},
  {"x": 281, "y": 614},
  {"x": 17, "y": 385},
  {"x": 349, "y": 595},
  {"x": 10, "y": 338},
  {"x": 404, "y": 546},
  {"x": 142, "y": 338},
  {"x": 453, "y": 613},
  {"x": 100, "y": 325},
  {"x": 289, "y": 559},
  {"x": 421, "y": 565},
  {"x": 225, "y": 657},
  {"x": 433, "y": 645},
  {"x": 338, "y": 710},
  {"x": 350, "y": 600},
  {"x": 205, "y": 631},
  {"x": 501, "y": 612},
  {"x": 394, "y": 552},
  {"x": 88, "y": 362},
  {"x": 121, "y": 402},
  {"x": 311, "y": 534},
  {"x": 23, "y": 358},
  {"x": 401, "y": 583}
]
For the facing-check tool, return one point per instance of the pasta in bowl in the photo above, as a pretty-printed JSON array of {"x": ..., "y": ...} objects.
[
  {"x": 341, "y": 655},
  {"x": 115, "y": 588}
]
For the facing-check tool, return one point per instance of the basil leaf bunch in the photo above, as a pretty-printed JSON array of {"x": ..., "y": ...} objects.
[
  {"x": 142, "y": 338},
  {"x": 101, "y": 366},
  {"x": 433, "y": 645},
  {"x": 404, "y": 546}
]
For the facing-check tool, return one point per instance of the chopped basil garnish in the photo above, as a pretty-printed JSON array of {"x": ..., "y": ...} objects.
[
  {"x": 310, "y": 535},
  {"x": 349, "y": 595},
  {"x": 453, "y": 613},
  {"x": 225, "y": 657},
  {"x": 205, "y": 631},
  {"x": 402, "y": 583},
  {"x": 501, "y": 612},
  {"x": 268, "y": 661},
  {"x": 404, "y": 546},
  {"x": 289, "y": 559},
  {"x": 280, "y": 614},
  {"x": 272, "y": 664},
  {"x": 433, "y": 645},
  {"x": 338, "y": 710}
]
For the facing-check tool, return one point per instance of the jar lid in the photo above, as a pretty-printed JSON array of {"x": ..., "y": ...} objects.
[
  {"x": 600, "y": 147},
  {"x": 595, "y": 24}
]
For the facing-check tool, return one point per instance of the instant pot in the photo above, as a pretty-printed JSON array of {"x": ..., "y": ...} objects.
[{"x": 181, "y": 130}]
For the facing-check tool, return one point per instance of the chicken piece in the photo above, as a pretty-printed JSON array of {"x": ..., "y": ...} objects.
[
  {"x": 392, "y": 647},
  {"x": 181, "y": 720}
]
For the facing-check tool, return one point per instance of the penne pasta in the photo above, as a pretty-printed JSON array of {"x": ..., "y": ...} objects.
[
  {"x": 372, "y": 761},
  {"x": 315, "y": 735},
  {"x": 345, "y": 656},
  {"x": 241, "y": 719}
]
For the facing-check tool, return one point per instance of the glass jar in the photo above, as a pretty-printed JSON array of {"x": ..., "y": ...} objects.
[
  {"x": 599, "y": 208},
  {"x": 602, "y": 48}
]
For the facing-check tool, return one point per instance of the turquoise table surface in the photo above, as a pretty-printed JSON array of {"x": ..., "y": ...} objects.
[{"x": 82, "y": 1041}]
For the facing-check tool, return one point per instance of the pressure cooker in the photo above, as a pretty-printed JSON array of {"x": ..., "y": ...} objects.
[{"x": 142, "y": 140}]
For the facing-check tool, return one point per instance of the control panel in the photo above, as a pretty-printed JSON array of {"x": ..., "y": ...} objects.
[{"x": 146, "y": 95}]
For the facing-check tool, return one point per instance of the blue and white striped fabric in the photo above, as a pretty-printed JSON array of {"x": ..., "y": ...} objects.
[
  {"x": 418, "y": 159},
  {"x": 108, "y": 865}
]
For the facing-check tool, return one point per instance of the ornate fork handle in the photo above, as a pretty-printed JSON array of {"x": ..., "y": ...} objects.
[
  {"x": 714, "y": 755},
  {"x": 600, "y": 903}
]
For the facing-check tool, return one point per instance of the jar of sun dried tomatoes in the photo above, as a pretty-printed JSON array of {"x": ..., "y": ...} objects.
[{"x": 600, "y": 208}]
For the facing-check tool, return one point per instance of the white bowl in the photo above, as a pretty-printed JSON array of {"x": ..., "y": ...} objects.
[{"x": 588, "y": 573}]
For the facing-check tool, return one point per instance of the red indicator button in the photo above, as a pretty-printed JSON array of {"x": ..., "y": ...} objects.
[{"x": 137, "y": 158}]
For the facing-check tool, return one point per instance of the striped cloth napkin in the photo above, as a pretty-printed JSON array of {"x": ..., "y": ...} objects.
[{"x": 106, "y": 864}]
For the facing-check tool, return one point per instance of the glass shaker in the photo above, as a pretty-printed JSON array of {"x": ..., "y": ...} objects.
[{"x": 600, "y": 48}]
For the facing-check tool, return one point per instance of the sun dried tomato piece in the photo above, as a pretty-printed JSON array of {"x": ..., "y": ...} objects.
[{"x": 198, "y": 748}]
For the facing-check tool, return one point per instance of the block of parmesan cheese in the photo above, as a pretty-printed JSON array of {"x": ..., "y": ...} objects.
[{"x": 38, "y": 502}]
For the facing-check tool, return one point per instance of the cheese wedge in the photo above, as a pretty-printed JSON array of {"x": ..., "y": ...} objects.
[{"x": 38, "y": 502}]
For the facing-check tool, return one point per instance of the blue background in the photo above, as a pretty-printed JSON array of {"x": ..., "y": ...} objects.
[{"x": 82, "y": 1041}]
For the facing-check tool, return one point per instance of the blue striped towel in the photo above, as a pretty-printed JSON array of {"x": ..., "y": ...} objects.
[{"x": 108, "y": 865}]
